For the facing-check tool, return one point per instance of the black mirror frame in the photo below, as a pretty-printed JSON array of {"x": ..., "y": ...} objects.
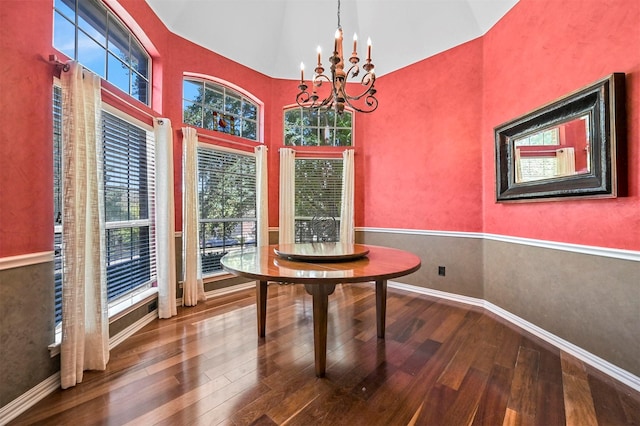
[{"x": 604, "y": 101}]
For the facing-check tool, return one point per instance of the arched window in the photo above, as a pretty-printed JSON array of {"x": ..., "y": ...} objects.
[
  {"x": 214, "y": 106},
  {"x": 317, "y": 127},
  {"x": 86, "y": 31}
]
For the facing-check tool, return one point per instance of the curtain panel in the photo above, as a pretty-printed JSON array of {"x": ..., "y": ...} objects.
[
  {"x": 85, "y": 325},
  {"x": 287, "y": 195},
  {"x": 347, "y": 227},
  {"x": 262, "y": 200},
  {"x": 193, "y": 287},
  {"x": 165, "y": 219}
]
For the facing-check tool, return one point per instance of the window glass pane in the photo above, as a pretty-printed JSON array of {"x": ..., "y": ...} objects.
[
  {"x": 64, "y": 36},
  {"x": 214, "y": 99},
  {"x": 343, "y": 137},
  {"x": 227, "y": 197},
  {"x": 129, "y": 175},
  {"x": 119, "y": 41},
  {"x": 91, "y": 55},
  {"x": 100, "y": 30},
  {"x": 118, "y": 74},
  {"x": 249, "y": 129},
  {"x": 317, "y": 127},
  {"x": 318, "y": 188},
  {"x": 192, "y": 113},
  {"x": 139, "y": 87},
  {"x": 128, "y": 260},
  {"x": 232, "y": 105},
  {"x": 344, "y": 120},
  {"x": 225, "y": 110},
  {"x": 208, "y": 119},
  {"x": 293, "y": 136},
  {"x": 67, "y": 8},
  {"x": 293, "y": 116},
  {"x": 92, "y": 19},
  {"x": 249, "y": 111},
  {"x": 192, "y": 90}
]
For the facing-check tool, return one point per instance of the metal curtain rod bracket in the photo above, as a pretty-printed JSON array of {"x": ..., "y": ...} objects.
[{"x": 58, "y": 63}]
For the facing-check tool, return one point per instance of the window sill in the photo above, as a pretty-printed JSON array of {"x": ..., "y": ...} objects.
[{"x": 116, "y": 311}]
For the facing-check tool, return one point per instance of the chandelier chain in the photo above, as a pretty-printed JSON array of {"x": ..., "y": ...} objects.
[{"x": 339, "y": 15}]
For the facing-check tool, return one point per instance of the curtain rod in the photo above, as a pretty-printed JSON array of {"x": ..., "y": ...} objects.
[
  {"x": 219, "y": 139},
  {"x": 309, "y": 153},
  {"x": 64, "y": 67}
]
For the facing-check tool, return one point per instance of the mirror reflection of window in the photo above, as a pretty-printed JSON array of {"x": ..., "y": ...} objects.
[{"x": 559, "y": 151}]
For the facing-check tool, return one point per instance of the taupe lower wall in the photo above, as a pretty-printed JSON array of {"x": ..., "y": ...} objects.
[
  {"x": 461, "y": 257},
  {"x": 590, "y": 301},
  {"x": 26, "y": 329}
]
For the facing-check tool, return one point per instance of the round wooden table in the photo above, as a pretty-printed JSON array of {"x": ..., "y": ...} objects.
[{"x": 320, "y": 266}]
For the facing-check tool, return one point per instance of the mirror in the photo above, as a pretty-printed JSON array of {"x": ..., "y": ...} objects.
[{"x": 568, "y": 148}]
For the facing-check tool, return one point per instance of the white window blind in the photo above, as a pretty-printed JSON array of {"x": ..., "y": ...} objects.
[
  {"x": 57, "y": 202},
  {"x": 129, "y": 199},
  {"x": 318, "y": 199},
  {"x": 227, "y": 202}
]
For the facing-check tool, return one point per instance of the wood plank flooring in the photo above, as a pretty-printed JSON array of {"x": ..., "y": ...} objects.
[{"x": 441, "y": 363}]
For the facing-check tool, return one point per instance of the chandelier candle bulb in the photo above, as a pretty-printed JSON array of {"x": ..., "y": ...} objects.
[
  {"x": 355, "y": 44},
  {"x": 319, "y": 52},
  {"x": 369, "y": 49},
  {"x": 301, "y": 72}
]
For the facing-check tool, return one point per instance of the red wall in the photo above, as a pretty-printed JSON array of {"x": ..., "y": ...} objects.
[
  {"x": 424, "y": 159},
  {"x": 566, "y": 45},
  {"x": 422, "y": 162}
]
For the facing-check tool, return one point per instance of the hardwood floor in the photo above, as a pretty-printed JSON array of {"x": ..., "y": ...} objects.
[{"x": 441, "y": 363}]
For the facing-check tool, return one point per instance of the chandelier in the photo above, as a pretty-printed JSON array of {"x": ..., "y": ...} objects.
[{"x": 334, "y": 90}]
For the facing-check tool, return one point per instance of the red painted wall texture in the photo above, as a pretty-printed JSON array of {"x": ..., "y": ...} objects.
[
  {"x": 424, "y": 160},
  {"x": 540, "y": 51}
]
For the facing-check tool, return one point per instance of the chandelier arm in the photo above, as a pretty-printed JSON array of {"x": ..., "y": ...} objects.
[{"x": 368, "y": 89}]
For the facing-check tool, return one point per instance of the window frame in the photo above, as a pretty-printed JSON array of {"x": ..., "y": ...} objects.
[
  {"x": 202, "y": 238},
  {"x": 317, "y": 128},
  {"x": 118, "y": 305},
  {"x": 114, "y": 26},
  {"x": 235, "y": 91},
  {"x": 300, "y": 226}
]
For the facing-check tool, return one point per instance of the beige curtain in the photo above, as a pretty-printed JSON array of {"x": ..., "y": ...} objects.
[
  {"x": 262, "y": 234},
  {"x": 287, "y": 195},
  {"x": 518, "y": 166},
  {"x": 193, "y": 288},
  {"x": 565, "y": 161},
  {"x": 165, "y": 220},
  {"x": 347, "y": 227},
  {"x": 85, "y": 325}
]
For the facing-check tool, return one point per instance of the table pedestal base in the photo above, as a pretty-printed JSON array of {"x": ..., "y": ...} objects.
[{"x": 320, "y": 293}]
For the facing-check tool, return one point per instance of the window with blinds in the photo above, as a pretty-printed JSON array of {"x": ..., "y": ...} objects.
[
  {"x": 57, "y": 202},
  {"x": 227, "y": 202},
  {"x": 87, "y": 31},
  {"x": 318, "y": 199},
  {"x": 129, "y": 199}
]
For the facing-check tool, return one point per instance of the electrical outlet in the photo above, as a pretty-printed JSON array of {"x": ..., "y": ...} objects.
[{"x": 441, "y": 271}]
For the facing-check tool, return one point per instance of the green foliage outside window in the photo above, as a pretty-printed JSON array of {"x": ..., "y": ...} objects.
[
  {"x": 317, "y": 127},
  {"x": 212, "y": 106}
]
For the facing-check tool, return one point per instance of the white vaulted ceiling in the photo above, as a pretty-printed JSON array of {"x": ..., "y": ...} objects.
[{"x": 274, "y": 36}]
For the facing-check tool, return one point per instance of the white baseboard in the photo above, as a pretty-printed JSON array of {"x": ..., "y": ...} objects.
[
  {"x": 604, "y": 366},
  {"x": 29, "y": 399},
  {"x": 52, "y": 383}
]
